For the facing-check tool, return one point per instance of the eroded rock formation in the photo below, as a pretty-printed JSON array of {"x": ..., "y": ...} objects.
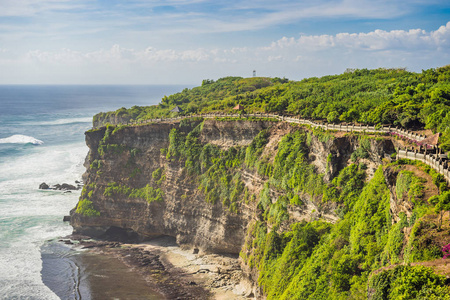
[{"x": 184, "y": 213}]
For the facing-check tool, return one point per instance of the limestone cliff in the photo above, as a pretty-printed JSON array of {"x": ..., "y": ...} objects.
[
  {"x": 131, "y": 154},
  {"x": 183, "y": 213},
  {"x": 152, "y": 180}
]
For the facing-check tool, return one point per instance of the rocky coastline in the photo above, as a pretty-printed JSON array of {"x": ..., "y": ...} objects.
[
  {"x": 173, "y": 272},
  {"x": 134, "y": 160}
]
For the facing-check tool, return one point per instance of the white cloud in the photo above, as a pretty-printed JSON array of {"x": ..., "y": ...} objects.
[
  {"x": 412, "y": 40},
  {"x": 119, "y": 55},
  {"x": 295, "y": 58}
]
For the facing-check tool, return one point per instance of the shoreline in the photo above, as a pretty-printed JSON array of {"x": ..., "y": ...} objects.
[{"x": 175, "y": 273}]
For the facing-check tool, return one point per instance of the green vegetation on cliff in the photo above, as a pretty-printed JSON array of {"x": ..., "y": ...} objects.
[
  {"x": 148, "y": 192},
  {"x": 409, "y": 184},
  {"x": 315, "y": 259},
  {"x": 212, "y": 169},
  {"x": 326, "y": 261},
  {"x": 353, "y": 255},
  {"x": 381, "y": 96},
  {"x": 85, "y": 206},
  {"x": 409, "y": 282},
  {"x": 311, "y": 258}
]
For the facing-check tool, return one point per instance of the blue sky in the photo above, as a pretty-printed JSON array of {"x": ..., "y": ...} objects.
[{"x": 185, "y": 41}]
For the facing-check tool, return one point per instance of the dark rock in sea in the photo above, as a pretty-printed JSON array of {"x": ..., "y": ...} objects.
[
  {"x": 65, "y": 187},
  {"x": 60, "y": 187},
  {"x": 43, "y": 186},
  {"x": 66, "y": 219},
  {"x": 65, "y": 192}
]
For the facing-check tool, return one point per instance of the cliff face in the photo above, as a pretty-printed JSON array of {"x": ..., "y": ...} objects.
[
  {"x": 249, "y": 187},
  {"x": 131, "y": 156},
  {"x": 183, "y": 213}
]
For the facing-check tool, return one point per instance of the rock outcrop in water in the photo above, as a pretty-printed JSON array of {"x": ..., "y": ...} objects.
[{"x": 60, "y": 187}]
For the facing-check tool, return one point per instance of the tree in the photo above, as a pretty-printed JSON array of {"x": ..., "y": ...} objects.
[
  {"x": 333, "y": 117},
  {"x": 442, "y": 203}
]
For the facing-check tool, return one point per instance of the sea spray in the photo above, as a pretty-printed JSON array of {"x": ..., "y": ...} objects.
[{"x": 21, "y": 139}]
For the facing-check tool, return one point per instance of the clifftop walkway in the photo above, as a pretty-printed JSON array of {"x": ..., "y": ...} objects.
[
  {"x": 431, "y": 155},
  {"x": 339, "y": 127}
]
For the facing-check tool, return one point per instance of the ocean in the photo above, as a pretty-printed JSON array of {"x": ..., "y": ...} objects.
[{"x": 42, "y": 140}]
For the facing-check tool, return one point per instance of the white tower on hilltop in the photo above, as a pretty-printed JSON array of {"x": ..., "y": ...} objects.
[{"x": 254, "y": 73}]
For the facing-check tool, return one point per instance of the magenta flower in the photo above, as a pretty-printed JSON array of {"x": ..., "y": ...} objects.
[{"x": 446, "y": 251}]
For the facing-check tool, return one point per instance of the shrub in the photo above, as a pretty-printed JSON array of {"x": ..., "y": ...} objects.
[
  {"x": 86, "y": 208},
  {"x": 156, "y": 175},
  {"x": 409, "y": 282},
  {"x": 147, "y": 193},
  {"x": 409, "y": 185}
]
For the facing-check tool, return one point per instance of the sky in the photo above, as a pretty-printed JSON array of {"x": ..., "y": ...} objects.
[{"x": 186, "y": 41}]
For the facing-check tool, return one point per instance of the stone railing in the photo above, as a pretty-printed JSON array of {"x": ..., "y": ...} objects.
[{"x": 435, "y": 160}]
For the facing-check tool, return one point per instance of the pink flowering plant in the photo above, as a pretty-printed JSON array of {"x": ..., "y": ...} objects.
[{"x": 446, "y": 251}]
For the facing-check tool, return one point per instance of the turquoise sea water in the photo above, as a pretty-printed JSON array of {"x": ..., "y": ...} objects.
[{"x": 42, "y": 140}]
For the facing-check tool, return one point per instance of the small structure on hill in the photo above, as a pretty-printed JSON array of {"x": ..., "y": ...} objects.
[
  {"x": 431, "y": 140},
  {"x": 238, "y": 107},
  {"x": 176, "y": 109}
]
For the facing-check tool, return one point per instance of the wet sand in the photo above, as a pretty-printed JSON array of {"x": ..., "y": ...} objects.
[
  {"x": 168, "y": 270},
  {"x": 73, "y": 273},
  {"x": 109, "y": 278}
]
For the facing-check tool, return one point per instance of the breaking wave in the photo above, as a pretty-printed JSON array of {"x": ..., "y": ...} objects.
[{"x": 21, "y": 139}]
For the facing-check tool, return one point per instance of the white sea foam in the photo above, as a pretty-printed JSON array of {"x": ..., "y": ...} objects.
[
  {"x": 21, "y": 139},
  {"x": 29, "y": 217},
  {"x": 21, "y": 265},
  {"x": 54, "y": 164},
  {"x": 63, "y": 121}
]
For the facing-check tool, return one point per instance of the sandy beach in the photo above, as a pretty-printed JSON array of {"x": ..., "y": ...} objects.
[{"x": 169, "y": 271}]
